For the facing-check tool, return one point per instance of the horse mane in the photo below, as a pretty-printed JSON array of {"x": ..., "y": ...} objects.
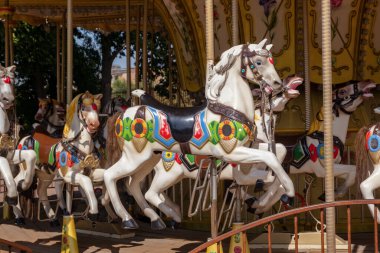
[
  {"x": 363, "y": 162},
  {"x": 219, "y": 76},
  {"x": 72, "y": 110},
  {"x": 113, "y": 144},
  {"x": 317, "y": 122}
]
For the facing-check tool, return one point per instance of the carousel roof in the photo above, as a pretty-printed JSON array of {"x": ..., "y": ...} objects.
[{"x": 355, "y": 45}]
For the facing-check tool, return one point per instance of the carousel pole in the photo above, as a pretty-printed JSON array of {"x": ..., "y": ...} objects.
[
  {"x": 6, "y": 35},
  {"x": 327, "y": 123},
  {"x": 306, "y": 65},
  {"x": 145, "y": 48},
  {"x": 128, "y": 46},
  {"x": 58, "y": 62},
  {"x": 11, "y": 46},
  {"x": 137, "y": 62},
  {"x": 63, "y": 65},
  {"x": 69, "y": 82},
  {"x": 213, "y": 173}
]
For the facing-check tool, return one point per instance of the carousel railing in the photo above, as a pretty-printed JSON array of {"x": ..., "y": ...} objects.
[
  {"x": 295, "y": 212},
  {"x": 12, "y": 246}
]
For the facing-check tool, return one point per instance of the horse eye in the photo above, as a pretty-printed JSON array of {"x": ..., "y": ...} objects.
[
  {"x": 342, "y": 92},
  {"x": 258, "y": 63}
]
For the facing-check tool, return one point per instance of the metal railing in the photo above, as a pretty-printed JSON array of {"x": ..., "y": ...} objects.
[
  {"x": 14, "y": 246},
  {"x": 295, "y": 213}
]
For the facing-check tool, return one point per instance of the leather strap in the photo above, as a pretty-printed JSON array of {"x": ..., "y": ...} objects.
[
  {"x": 336, "y": 141},
  {"x": 185, "y": 148},
  {"x": 231, "y": 113},
  {"x": 73, "y": 150},
  {"x": 140, "y": 113}
]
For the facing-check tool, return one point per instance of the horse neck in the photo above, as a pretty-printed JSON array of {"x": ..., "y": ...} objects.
[
  {"x": 340, "y": 125},
  {"x": 279, "y": 103},
  {"x": 84, "y": 141},
  {"x": 237, "y": 94},
  {"x": 52, "y": 123},
  {"x": 4, "y": 121}
]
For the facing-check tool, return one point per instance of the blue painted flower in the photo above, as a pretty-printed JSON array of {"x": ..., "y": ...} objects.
[{"x": 267, "y": 4}]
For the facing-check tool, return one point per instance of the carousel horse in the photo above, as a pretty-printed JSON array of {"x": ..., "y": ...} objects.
[
  {"x": 172, "y": 168},
  {"x": 72, "y": 158},
  {"x": 367, "y": 150},
  {"x": 219, "y": 129},
  {"x": 50, "y": 117},
  {"x": 308, "y": 151},
  {"x": 10, "y": 156},
  {"x": 6, "y": 141}
]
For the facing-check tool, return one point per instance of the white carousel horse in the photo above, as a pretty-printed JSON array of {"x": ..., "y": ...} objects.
[
  {"x": 48, "y": 131},
  {"x": 172, "y": 168},
  {"x": 308, "y": 152},
  {"x": 72, "y": 158},
  {"x": 220, "y": 130},
  {"x": 25, "y": 175},
  {"x": 367, "y": 154},
  {"x": 6, "y": 141}
]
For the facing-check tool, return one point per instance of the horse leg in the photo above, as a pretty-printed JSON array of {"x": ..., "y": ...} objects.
[
  {"x": 135, "y": 188},
  {"x": 5, "y": 170},
  {"x": 348, "y": 172},
  {"x": 269, "y": 198},
  {"x": 248, "y": 155},
  {"x": 58, "y": 185},
  {"x": 368, "y": 186},
  {"x": 97, "y": 176},
  {"x": 162, "y": 180},
  {"x": 85, "y": 183},
  {"x": 25, "y": 177},
  {"x": 19, "y": 216},
  {"x": 127, "y": 164}
]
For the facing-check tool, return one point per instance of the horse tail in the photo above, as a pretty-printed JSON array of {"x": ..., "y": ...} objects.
[
  {"x": 114, "y": 144},
  {"x": 363, "y": 163}
]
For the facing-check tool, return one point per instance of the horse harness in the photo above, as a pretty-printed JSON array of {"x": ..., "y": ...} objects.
[
  {"x": 373, "y": 140},
  {"x": 351, "y": 98}
]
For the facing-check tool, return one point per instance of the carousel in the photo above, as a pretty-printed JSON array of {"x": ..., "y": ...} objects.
[{"x": 268, "y": 138}]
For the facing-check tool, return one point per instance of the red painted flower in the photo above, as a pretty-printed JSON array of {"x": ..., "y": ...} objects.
[{"x": 335, "y": 3}]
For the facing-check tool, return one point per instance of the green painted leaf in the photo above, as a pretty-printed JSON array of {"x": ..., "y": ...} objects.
[
  {"x": 149, "y": 135},
  {"x": 214, "y": 136},
  {"x": 127, "y": 133}
]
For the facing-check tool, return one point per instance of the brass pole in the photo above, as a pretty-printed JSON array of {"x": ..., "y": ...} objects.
[
  {"x": 128, "y": 46},
  {"x": 145, "y": 53},
  {"x": 6, "y": 36},
  {"x": 58, "y": 62},
  {"x": 137, "y": 62},
  {"x": 69, "y": 82},
  {"x": 11, "y": 46},
  {"x": 63, "y": 58},
  {"x": 306, "y": 65},
  {"x": 327, "y": 123},
  {"x": 210, "y": 63}
]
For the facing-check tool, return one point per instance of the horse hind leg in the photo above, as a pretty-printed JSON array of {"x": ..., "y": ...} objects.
[
  {"x": 27, "y": 161},
  {"x": 348, "y": 172},
  {"x": 135, "y": 189},
  {"x": 12, "y": 195}
]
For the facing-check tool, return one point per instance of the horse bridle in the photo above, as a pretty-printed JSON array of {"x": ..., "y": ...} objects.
[{"x": 350, "y": 98}]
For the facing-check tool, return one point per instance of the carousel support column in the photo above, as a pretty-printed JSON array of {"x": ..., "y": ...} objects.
[
  {"x": 145, "y": 48},
  {"x": 69, "y": 82},
  {"x": 128, "y": 46},
  {"x": 306, "y": 65},
  {"x": 6, "y": 35},
  {"x": 327, "y": 123},
  {"x": 11, "y": 46},
  {"x": 170, "y": 75},
  {"x": 63, "y": 65},
  {"x": 58, "y": 62},
  {"x": 137, "y": 62}
]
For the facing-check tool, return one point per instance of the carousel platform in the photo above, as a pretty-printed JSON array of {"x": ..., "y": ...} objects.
[{"x": 40, "y": 237}]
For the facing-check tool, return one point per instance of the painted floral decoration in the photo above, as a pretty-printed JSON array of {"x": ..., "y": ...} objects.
[
  {"x": 267, "y": 4},
  {"x": 336, "y": 3}
]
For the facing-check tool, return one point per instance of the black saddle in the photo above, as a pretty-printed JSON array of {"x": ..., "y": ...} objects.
[{"x": 181, "y": 120}]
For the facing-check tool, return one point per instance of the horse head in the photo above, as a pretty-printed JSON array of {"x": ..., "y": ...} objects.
[
  {"x": 7, "y": 77},
  {"x": 83, "y": 113},
  {"x": 252, "y": 62},
  {"x": 348, "y": 96},
  {"x": 117, "y": 104}
]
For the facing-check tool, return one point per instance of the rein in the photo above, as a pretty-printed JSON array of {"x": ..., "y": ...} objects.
[{"x": 350, "y": 98}]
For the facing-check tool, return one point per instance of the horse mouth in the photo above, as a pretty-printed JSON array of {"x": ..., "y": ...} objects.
[
  {"x": 92, "y": 130},
  {"x": 367, "y": 90},
  {"x": 292, "y": 85}
]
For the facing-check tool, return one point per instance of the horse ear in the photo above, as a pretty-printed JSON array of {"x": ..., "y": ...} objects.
[
  {"x": 12, "y": 68},
  {"x": 98, "y": 96},
  {"x": 261, "y": 44},
  {"x": 268, "y": 47}
]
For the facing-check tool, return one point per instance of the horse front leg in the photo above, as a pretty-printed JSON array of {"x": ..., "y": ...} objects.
[
  {"x": 85, "y": 183},
  {"x": 248, "y": 155},
  {"x": 25, "y": 177},
  {"x": 368, "y": 186},
  {"x": 348, "y": 172},
  {"x": 5, "y": 170}
]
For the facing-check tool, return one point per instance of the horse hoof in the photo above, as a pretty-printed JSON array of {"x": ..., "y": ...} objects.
[
  {"x": 174, "y": 224},
  {"x": 260, "y": 215},
  {"x": 19, "y": 185},
  {"x": 285, "y": 199},
  {"x": 251, "y": 210},
  {"x": 12, "y": 201},
  {"x": 19, "y": 221},
  {"x": 259, "y": 185},
  {"x": 322, "y": 197},
  {"x": 129, "y": 224},
  {"x": 55, "y": 223},
  {"x": 92, "y": 217},
  {"x": 158, "y": 225},
  {"x": 249, "y": 202},
  {"x": 65, "y": 212}
]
